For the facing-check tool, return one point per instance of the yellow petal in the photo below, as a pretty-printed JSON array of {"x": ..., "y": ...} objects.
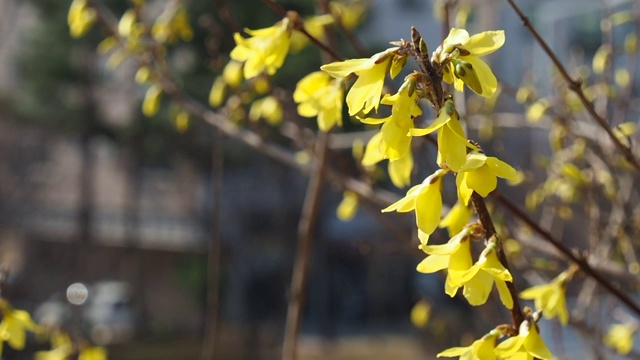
[
  {"x": 342, "y": 69},
  {"x": 429, "y": 207},
  {"x": 372, "y": 154},
  {"x": 400, "y": 170},
  {"x": 420, "y": 314},
  {"x": 232, "y": 73},
  {"x": 151, "y": 103},
  {"x": 455, "y": 37},
  {"x": 536, "y": 111},
  {"x": 450, "y": 247},
  {"x": 457, "y": 218},
  {"x": 407, "y": 203},
  {"x": 433, "y": 263},
  {"x": 509, "y": 347},
  {"x": 440, "y": 121},
  {"x": 505, "y": 295},
  {"x": 485, "y": 42},
  {"x": 601, "y": 59},
  {"x": 452, "y": 145},
  {"x": 348, "y": 206},
  {"x": 493, "y": 266},
  {"x": 502, "y": 169},
  {"x": 365, "y": 93},
  {"x": 535, "y": 346},
  {"x": 464, "y": 192},
  {"x": 482, "y": 180},
  {"x": 478, "y": 288},
  {"x": 454, "y": 351},
  {"x": 217, "y": 93}
]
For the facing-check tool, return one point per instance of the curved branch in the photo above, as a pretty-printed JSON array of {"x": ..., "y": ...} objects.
[
  {"x": 576, "y": 87},
  {"x": 579, "y": 260}
]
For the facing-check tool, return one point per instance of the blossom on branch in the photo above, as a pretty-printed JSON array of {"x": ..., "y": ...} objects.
[
  {"x": 452, "y": 142},
  {"x": 481, "y": 349},
  {"x": 620, "y": 337},
  {"x": 265, "y": 51},
  {"x": 480, "y": 173},
  {"x": 550, "y": 298},
  {"x": 460, "y": 55},
  {"x": 317, "y": 94},
  {"x": 478, "y": 280},
  {"x": 81, "y": 18},
  {"x": 426, "y": 200},
  {"x": 526, "y": 345},
  {"x": 365, "y": 93},
  {"x": 14, "y": 325},
  {"x": 395, "y": 142}
]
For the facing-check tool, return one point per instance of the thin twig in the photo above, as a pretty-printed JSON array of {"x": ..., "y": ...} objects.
[
  {"x": 568, "y": 253},
  {"x": 214, "y": 258},
  {"x": 306, "y": 227},
  {"x": 300, "y": 27},
  {"x": 576, "y": 87},
  {"x": 490, "y": 231}
]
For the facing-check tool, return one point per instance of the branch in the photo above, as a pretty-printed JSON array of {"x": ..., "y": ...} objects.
[
  {"x": 576, "y": 87},
  {"x": 485, "y": 219},
  {"x": 569, "y": 254},
  {"x": 299, "y": 25}
]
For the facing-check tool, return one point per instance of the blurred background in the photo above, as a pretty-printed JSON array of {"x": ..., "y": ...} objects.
[{"x": 93, "y": 193}]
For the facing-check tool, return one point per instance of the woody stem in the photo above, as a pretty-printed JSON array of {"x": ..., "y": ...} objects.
[{"x": 490, "y": 231}]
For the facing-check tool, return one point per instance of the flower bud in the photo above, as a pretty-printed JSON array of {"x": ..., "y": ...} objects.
[{"x": 464, "y": 71}]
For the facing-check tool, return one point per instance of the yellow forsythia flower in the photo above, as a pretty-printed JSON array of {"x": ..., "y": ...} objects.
[
  {"x": 59, "y": 353},
  {"x": 93, "y": 353},
  {"x": 143, "y": 75},
  {"x": 217, "y": 93},
  {"x": 481, "y": 349},
  {"x": 601, "y": 59},
  {"x": 550, "y": 298},
  {"x": 350, "y": 13},
  {"x": 461, "y": 56},
  {"x": 317, "y": 94},
  {"x": 348, "y": 206},
  {"x": 365, "y": 93},
  {"x": 426, "y": 200},
  {"x": 536, "y": 111},
  {"x": 61, "y": 348},
  {"x": 455, "y": 255},
  {"x": 400, "y": 170},
  {"x": 151, "y": 103},
  {"x": 478, "y": 280},
  {"x": 525, "y": 345},
  {"x": 268, "y": 108},
  {"x": 80, "y": 18},
  {"x": 480, "y": 174},
  {"x": 107, "y": 45},
  {"x": 452, "y": 142},
  {"x": 126, "y": 23},
  {"x": 181, "y": 121},
  {"x": 172, "y": 25},
  {"x": 420, "y": 314},
  {"x": 14, "y": 325},
  {"x": 457, "y": 218},
  {"x": 395, "y": 143},
  {"x": 232, "y": 74},
  {"x": 265, "y": 50},
  {"x": 620, "y": 337}
]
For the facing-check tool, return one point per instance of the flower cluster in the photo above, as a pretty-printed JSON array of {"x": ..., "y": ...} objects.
[
  {"x": 457, "y": 60},
  {"x": 527, "y": 344}
]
